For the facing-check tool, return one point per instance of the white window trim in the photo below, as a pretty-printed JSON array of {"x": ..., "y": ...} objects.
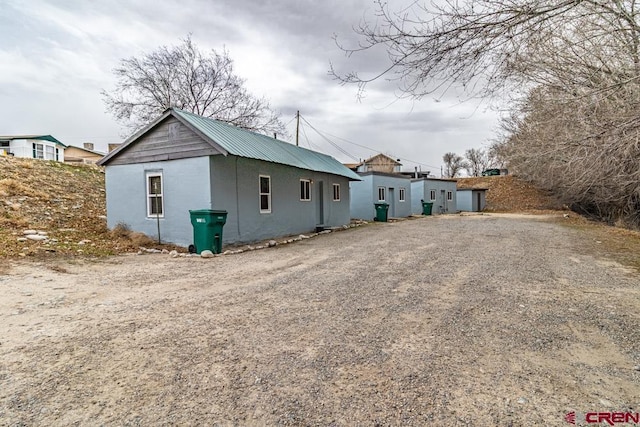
[
  {"x": 449, "y": 195},
  {"x": 149, "y": 196},
  {"x": 402, "y": 194},
  {"x": 336, "y": 186},
  {"x": 384, "y": 194},
  {"x": 38, "y": 148},
  {"x": 307, "y": 183},
  {"x": 260, "y": 193},
  {"x": 432, "y": 195}
]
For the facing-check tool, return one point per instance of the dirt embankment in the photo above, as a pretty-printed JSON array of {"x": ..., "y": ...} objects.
[{"x": 511, "y": 194}]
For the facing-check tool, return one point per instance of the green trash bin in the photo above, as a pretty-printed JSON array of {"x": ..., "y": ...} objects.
[
  {"x": 207, "y": 230},
  {"x": 381, "y": 211},
  {"x": 426, "y": 208}
]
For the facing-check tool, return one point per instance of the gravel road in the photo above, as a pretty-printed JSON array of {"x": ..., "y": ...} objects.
[{"x": 451, "y": 320}]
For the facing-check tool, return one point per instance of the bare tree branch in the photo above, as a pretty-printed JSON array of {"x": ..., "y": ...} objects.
[{"x": 182, "y": 77}]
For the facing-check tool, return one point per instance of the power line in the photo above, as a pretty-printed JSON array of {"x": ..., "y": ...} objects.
[
  {"x": 362, "y": 146},
  {"x": 336, "y": 146}
]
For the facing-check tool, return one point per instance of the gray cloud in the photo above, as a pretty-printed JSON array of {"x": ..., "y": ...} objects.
[{"x": 56, "y": 56}]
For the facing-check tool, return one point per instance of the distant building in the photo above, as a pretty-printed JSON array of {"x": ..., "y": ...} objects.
[
  {"x": 379, "y": 187},
  {"x": 44, "y": 147},
  {"x": 85, "y": 154},
  {"x": 378, "y": 163},
  {"x": 441, "y": 192}
]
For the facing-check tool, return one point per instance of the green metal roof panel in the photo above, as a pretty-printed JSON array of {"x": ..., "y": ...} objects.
[{"x": 244, "y": 143}]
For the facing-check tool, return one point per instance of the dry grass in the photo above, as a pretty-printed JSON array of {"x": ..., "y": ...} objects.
[{"x": 619, "y": 243}]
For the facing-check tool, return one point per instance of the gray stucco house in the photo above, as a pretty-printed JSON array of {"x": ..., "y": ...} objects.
[
  {"x": 183, "y": 162},
  {"x": 440, "y": 192},
  {"x": 471, "y": 199},
  {"x": 375, "y": 187}
]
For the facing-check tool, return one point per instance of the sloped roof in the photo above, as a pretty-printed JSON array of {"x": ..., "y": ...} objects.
[
  {"x": 243, "y": 143},
  {"x": 38, "y": 137}
]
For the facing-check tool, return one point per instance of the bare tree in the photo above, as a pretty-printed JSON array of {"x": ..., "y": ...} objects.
[
  {"x": 477, "y": 161},
  {"x": 484, "y": 44},
  {"x": 572, "y": 66},
  {"x": 181, "y": 76},
  {"x": 453, "y": 164}
]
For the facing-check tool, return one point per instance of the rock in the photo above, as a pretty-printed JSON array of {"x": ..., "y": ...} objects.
[
  {"x": 302, "y": 236},
  {"x": 165, "y": 251},
  {"x": 522, "y": 400},
  {"x": 206, "y": 254},
  {"x": 637, "y": 367},
  {"x": 173, "y": 254},
  {"x": 272, "y": 243},
  {"x": 30, "y": 232},
  {"x": 36, "y": 237},
  {"x": 42, "y": 233},
  {"x": 22, "y": 239}
]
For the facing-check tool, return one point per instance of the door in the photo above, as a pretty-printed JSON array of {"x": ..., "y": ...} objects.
[
  {"x": 320, "y": 203},
  {"x": 443, "y": 201},
  {"x": 479, "y": 202},
  {"x": 392, "y": 202}
]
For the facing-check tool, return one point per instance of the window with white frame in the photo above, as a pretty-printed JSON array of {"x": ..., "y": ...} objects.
[
  {"x": 432, "y": 194},
  {"x": 449, "y": 195},
  {"x": 336, "y": 192},
  {"x": 265, "y": 194},
  {"x": 155, "y": 198},
  {"x": 38, "y": 151},
  {"x": 305, "y": 190},
  {"x": 50, "y": 152},
  {"x": 402, "y": 194},
  {"x": 382, "y": 194}
]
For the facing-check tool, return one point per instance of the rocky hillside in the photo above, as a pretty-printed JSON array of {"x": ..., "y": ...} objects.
[
  {"x": 511, "y": 194},
  {"x": 62, "y": 207}
]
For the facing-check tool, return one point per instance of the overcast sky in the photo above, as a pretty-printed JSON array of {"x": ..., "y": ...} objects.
[{"x": 57, "y": 55}]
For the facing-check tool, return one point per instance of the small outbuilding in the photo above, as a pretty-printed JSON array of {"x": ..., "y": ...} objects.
[
  {"x": 380, "y": 187},
  {"x": 182, "y": 162},
  {"x": 471, "y": 199},
  {"x": 439, "y": 191}
]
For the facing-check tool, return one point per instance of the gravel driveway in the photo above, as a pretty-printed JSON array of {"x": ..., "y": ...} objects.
[{"x": 457, "y": 320}]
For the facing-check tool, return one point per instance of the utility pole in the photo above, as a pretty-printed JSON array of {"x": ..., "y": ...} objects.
[{"x": 297, "y": 126}]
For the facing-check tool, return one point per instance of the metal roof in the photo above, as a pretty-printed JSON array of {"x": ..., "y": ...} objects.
[
  {"x": 37, "y": 137},
  {"x": 244, "y": 143}
]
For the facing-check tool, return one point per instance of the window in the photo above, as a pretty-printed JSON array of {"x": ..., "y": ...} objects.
[
  {"x": 265, "y": 194},
  {"x": 155, "y": 199},
  {"x": 432, "y": 194},
  {"x": 382, "y": 194},
  {"x": 305, "y": 190},
  {"x": 336, "y": 192},
  {"x": 449, "y": 195},
  {"x": 38, "y": 151},
  {"x": 50, "y": 152},
  {"x": 401, "y": 194}
]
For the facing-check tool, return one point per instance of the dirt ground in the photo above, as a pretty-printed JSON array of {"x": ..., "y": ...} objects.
[{"x": 455, "y": 320}]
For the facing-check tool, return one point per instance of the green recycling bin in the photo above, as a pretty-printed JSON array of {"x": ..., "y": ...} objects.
[
  {"x": 207, "y": 230},
  {"x": 381, "y": 211},
  {"x": 426, "y": 208}
]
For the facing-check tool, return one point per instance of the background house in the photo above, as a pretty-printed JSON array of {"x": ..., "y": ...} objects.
[
  {"x": 183, "y": 162},
  {"x": 378, "y": 163},
  {"x": 85, "y": 154},
  {"x": 440, "y": 192},
  {"x": 375, "y": 187},
  {"x": 44, "y": 147},
  {"x": 471, "y": 199}
]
